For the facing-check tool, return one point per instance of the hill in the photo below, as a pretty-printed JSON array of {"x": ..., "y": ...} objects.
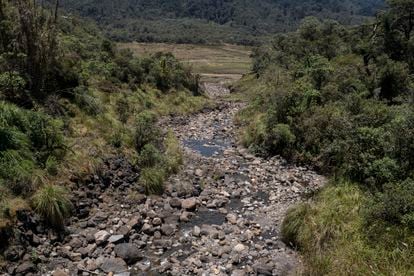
[{"x": 200, "y": 21}]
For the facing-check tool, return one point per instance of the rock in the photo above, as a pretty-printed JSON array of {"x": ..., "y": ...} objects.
[
  {"x": 199, "y": 172},
  {"x": 175, "y": 203},
  {"x": 185, "y": 216},
  {"x": 130, "y": 253},
  {"x": 238, "y": 272},
  {"x": 156, "y": 221},
  {"x": 134, "y": 222},
  {"x": 101, "y": 237},
  {"x": 167, "y": 229},
  {"x": 75, "y": 243},
  {"x": 13, "y": 253},
  {"x": 196, "y": 231},
  {"x": 232, "y": 218},
  {"x": 116, "y": 265},
  {"x": 59, "y": 272},
  {"x": 239, "y": 248},
  {"x": 88, "y": 249},
  {"x": 147, "y": 229},
  {"x": 263, "y": 269},
  {"x": 25, "y": 268},
  {"x": 189, "y": 204},
  {"x": 116, "y": 238}
]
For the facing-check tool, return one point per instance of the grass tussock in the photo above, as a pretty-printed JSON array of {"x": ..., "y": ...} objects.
[
  {"x": 53, "y": 204},
  {"x": 332, "y": 235},
  {"x": 152, "y": 179}
]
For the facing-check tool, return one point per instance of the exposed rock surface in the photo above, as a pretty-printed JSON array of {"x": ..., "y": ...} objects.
[{"x": 220, "y": 215}]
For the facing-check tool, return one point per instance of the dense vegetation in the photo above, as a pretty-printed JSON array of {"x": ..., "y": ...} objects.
[
  {"x": 69, "y": 99},
  {"x": 341, "y": 99},
  {"x": 201, "y": 21}
]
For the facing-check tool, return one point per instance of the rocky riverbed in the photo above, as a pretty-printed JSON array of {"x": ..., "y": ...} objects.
[{"x": 220, "y": 215}]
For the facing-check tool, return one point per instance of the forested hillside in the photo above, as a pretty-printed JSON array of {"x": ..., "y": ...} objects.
[
  {"x": 341, "y": 100},
  {"x": 197, "y": 21},
  {"x": 69, "y": 100}
]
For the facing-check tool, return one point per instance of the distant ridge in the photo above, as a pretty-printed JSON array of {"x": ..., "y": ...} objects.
[{"x": 210, "y": 21}]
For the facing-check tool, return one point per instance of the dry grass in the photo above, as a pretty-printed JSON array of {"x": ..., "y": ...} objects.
[{"x": 212, "y": 62}]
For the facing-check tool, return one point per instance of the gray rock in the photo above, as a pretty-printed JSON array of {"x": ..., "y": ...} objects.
[
  {"x": 156, "y": 221},
  {"x": 239, "y": 248},
  {"x": 116, "y": 238},
  {"x": 129, "y": 252},
  {"x": 189, "y": 204},
  {"x": 196, "y": 231},
  {"x": 167, "y": 229},
  {"x": 116, "y": 265},
  {"x": 25, "y": 268},
  {"x": 175, "y": 203},
  {"x": 263, "y": 269},
  {"x": 101, "y": 237}
]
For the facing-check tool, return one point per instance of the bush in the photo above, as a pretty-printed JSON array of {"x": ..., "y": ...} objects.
[
  {"x": 152, "y": 179},
  {"x": 150, "y": 156},
  {"x": 173, "y": 153},
  {"x": 394, "y": 206},
  {"x": 280, "y": 139},
  {"x": 146, "y": 130},
  {"x": 27, "y": 141},
  {"x": 53, "y": 204},
  {"x": 88, "y": 102}
]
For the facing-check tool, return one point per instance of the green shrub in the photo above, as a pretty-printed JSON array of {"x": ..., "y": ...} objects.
[
  {"x": 27, "y": 141},
  {"x": 152, "y": 179},
  {"x": 280, "y": 139},
  {"x": 146, "y": 130},
  {"x": 51, "y": 165},
  {"x": 173, "y": 153},
  {"x": 123, "y": 109},
  {"x": 88, "y": 102},
  {"x": 53, "y": 204},
  {"x": 149, "y": 156},
  {"x": 394, "y": 206}
]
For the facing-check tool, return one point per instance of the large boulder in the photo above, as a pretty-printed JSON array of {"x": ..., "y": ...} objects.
[
  {"x": 116, "y": 265},
  {"x": 129, "y": 252}
]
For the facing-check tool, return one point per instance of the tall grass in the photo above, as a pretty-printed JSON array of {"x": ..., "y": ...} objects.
[
  {"x": 53, "y": 204},
  {"x": 333, "y": 237}
]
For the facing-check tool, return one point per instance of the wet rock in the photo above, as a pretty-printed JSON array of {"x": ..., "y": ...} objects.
[
  {"x": 130, "y": 253},
  {"x": 116, "y": 265},
  {"x": 185, "y": 216}
]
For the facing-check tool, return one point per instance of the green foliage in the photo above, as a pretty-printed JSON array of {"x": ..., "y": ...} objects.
[
  {"x": 87, "y": 102},
  {"x": 394, "y": 206},
  {"x": 152, "y": 179},
  {"x": 53, "y": 204},
  {"x": 213, "y": 21},
  {"x": 173, "y": 153},
  {"x": 146, "y": 130},
  {"x": 294, "y": 220},
  {"x": 345, "y": 108},
  {"x": 149, "y": 156},
  {"x": 27, "y": 141}
]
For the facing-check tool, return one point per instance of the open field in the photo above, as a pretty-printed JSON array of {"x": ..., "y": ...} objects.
[{"x": 213, "y": 63}]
